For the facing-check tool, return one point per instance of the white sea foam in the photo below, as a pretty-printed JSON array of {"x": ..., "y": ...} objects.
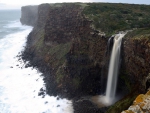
[
  {"x": 11, "y": 27},
  {"x": 15, "y": 24},
  {"x": 19, "y": 87}
]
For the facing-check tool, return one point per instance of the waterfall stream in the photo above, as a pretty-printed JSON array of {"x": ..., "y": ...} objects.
[{"x": 113, "y": 69}]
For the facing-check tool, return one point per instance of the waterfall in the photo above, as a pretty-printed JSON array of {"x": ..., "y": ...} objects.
[
  {"x": 113, "y": 69},
  {"x": 109, "y": 45},
  {"x": 105, "y": 64}
]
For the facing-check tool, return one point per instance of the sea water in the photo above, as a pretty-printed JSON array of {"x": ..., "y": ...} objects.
[{"x": 19, "y": 86}]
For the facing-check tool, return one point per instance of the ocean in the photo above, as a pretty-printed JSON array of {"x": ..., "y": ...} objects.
[{"x": 19, "y": 86}]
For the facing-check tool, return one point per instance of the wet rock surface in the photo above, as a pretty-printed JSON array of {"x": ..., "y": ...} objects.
[{"x": 86, "y": 106}]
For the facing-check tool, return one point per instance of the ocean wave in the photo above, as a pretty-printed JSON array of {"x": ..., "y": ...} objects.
[
  {"x": 15, "y": 24},
  {"x": 19, "y": 86}
]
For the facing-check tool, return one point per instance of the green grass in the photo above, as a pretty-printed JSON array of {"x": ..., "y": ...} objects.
[
  {"x": 59, "y": 75},
  {"x": 40, "y": 39},
  {"x": 60, "y": 50},
  {"x": 121, "y": 105},
  {"x": 68, "y": 4},
  {"x": 56, "y": 5},
  {"x": 57, "y": 54},
  {"x": 139, "y": 33}
]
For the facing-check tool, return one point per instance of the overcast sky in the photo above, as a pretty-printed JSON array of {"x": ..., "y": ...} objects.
[{"x": 13, "y": 4}]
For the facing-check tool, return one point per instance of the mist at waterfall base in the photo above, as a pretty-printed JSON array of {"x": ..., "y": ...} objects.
[
  {"x": 19, "y": 86},
  {"x": 110, "y": 97}
]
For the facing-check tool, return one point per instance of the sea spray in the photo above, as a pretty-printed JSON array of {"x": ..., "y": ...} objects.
[{"x": 19, "y": 86}]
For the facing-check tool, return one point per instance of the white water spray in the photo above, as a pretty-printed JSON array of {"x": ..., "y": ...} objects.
[
  {"x": 20, "y": 86},
  {"x": 113, "y": 69}
]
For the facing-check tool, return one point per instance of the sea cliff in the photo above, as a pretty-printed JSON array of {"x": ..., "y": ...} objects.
[
  {"x": 69, "y": 44},
  {"x": 29, "y": 15}
]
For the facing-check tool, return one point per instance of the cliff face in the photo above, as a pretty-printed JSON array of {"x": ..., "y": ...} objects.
[
  {"x": 71, "y": 54},
  {"x": 64, "y": 46},
  {"x": 136, "y": 60},
  {"x": 42, "y": 15},
  {"x": 29, "y": 15}
]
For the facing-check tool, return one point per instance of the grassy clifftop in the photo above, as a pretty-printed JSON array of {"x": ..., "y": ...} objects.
[{"x": 110, "y": 18}]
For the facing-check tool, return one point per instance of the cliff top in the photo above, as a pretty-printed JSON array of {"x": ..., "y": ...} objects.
[
  {"x": 109, "y": 18},
  {"x": 113, "y": 17}
]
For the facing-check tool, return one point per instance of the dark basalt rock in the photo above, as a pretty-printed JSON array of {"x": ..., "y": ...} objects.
[
  {"x": 58, "y": 105},
  {"x": 46, "y": 102},
  {"x": 57, "y": 98},
  {"x": 41, "y": 93}
]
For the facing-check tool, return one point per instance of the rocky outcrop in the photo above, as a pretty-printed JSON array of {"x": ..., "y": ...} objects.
[
  {"x": 140, "y": 105},
  {"x": 29, "y": 15}
]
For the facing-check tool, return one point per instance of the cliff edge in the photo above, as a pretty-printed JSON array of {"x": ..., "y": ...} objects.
[{"x": 29, "y": 15}]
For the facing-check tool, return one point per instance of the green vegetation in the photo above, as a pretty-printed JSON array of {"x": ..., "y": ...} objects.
[
  {"x": 127, "y": 82},
  {"x": 69, "y": 4},
  {"x": 56, "y": 5},
  {"x": 76, "y": 82},
  {"x": 110, "y": 18},
  {"x": 123, "y": 104},
  {"x": 55, "y": 56},
  {"x": 40, "y": 40},
  {"x": 60, "y": 50},
  {"x": 139, "y": 33},
  {"x": 60, "y": 75}
]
